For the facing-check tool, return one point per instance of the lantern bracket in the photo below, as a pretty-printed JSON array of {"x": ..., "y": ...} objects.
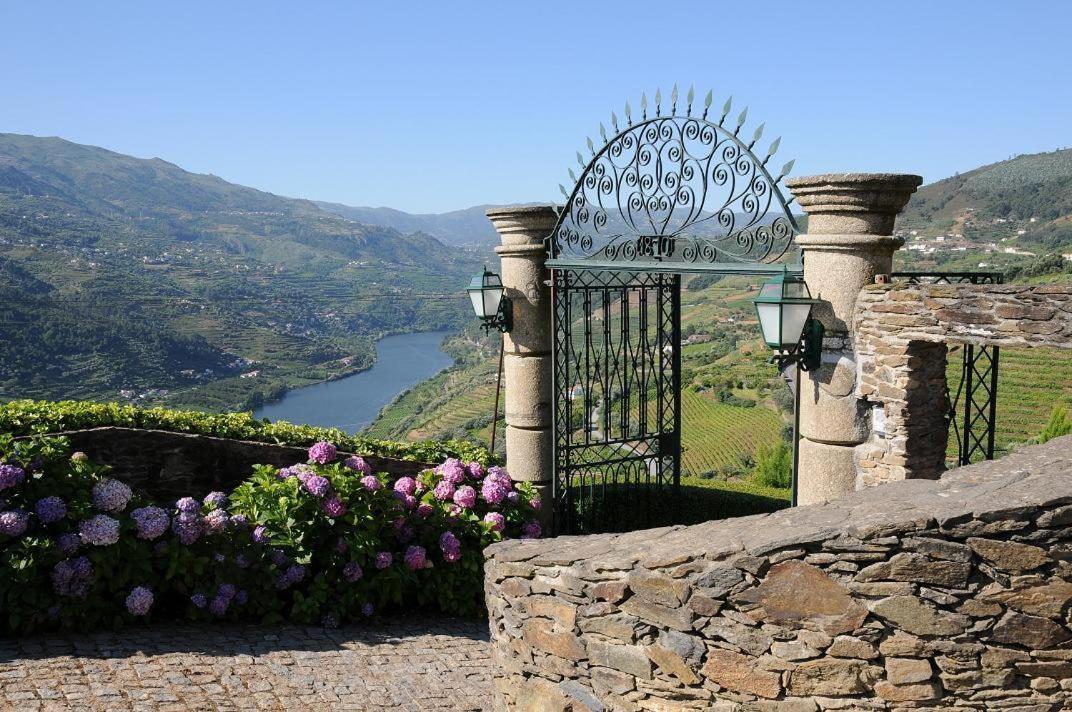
[{"x": 808, "y": 353}]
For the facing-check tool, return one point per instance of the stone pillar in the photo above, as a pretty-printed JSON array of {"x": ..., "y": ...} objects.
[
  {"x": 527, "y": 363},
  {"x": 849, "y": 241}
]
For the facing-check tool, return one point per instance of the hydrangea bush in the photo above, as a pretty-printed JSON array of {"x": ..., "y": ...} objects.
[{"x": 323, "y": 541}]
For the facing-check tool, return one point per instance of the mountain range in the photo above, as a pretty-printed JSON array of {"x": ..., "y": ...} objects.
[
  {"x": 133, "y": 276},
  {"x": 457, "y": 227}
]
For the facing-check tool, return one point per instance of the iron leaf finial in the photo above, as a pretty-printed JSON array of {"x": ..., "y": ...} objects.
[
  {"x": 773, "y": 148},
  {"x": 726, "y": 109},
  {"x": 628, "y": 114},
  {"x": 707, "y": 102},
  {"x": 691, "y": 97},
  {"x": 785, "y": 170},
  {"x": 741, "y": 118},
  {"x": 614, "y": 121},
  {"x": 562, "y": 188},
  {"x": 658, "y": 102},
  {"x": 644, "y": 106},
  {"x": 591, "y": 146},
  {"x": 602, "y": 132},
  {"x": 580, "y": 160},
  {"x": 756, "y": 136}
]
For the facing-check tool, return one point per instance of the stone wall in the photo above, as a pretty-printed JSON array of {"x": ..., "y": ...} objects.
[
  {"x": 949, "y": 593},
  {"x": 901, "y": 337},
  {"x": 166, "y": 465}
]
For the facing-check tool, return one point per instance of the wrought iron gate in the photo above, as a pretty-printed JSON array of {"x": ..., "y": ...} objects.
[
  {"x": 670, "y": 191},
  {"x": 617, "y": 396},
  {"x": 973, "y": 403}
]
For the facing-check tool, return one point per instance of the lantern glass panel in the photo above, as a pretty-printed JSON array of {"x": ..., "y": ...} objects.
[
  {"x": 770, "y": 321},
  {"x": 793, "y": 318}
]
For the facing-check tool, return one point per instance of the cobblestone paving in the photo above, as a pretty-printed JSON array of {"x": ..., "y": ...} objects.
[{"x": 404, "y": 665}]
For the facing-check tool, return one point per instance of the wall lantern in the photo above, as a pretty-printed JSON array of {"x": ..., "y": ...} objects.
[
  {"x": 784, "y": 308},
  {"x": 486, "y": 292}
]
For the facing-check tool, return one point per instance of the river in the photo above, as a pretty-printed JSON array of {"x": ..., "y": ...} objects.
[{"x": 353, "y": 402}]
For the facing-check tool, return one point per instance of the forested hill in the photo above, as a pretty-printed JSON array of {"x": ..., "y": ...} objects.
[
  {"x": 1024, "y": 203},
  {"x": 133, "y": 275}
]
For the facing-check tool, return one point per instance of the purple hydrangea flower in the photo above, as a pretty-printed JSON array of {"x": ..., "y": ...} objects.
[
  {"x": 241, "y": 597},
  {"x": 188, "y": 527},
  {"x": 72, "y": 577},
  {"x": 14, "y": 522},
  {"x": 322, "y": 453},
  {"x": 294, "y": 574},
  {"x": 383, "y": 559},
  {"x": 219, "y": 558},
  {"x": 151, "y": 522},
  {"x": 219, "y": 606},
  {"x": 188, "y": 505},
  {"x": 407, "y": 501},
  {"x": 513, "y": 496},
  {"x": 239, "y": 521},
  {"x": 260, "y": 534},
  {"x": 241, "y": 561},
  {"x": 371, "y": 483},
  {"x": 452, "y": 471},
  {"x": 333, "y": 507},
  {"x": 215, "y": 500},
  {"x": 352, "y": 571},
  {"x": 50, "y": 509},
  {"x": 367, "y": 609},
  {"x": 493, "y": 491},
  {"x": 140, "y": 601},
  {"x": 465, "y": 496},
  {"x": 415, "y": 558},
  {"x": 475, "y": 470},
  {"x": 450, "y": 546},
  {"x": 100, "y": 530},
  {"x": 358, "y": 464},
  {"x": 531, "y": 530},
  {"x": 424, "y": 510},
  {"x": 496, "y": 520},
  {"x": 279, "y": 557},
  {"x": 199, "y": 600},
  {"x": 111, "y": 495},
  {"x": 316, "y": 485},
  {"x": 11, "y": 475},
  {"x": 216, "y": 521},
  {"x": 406, "y": 485},
  {"x": 444, "y": 491},
  {"x": 227, "y": 590},
  {"x": 68, "y": 543}
]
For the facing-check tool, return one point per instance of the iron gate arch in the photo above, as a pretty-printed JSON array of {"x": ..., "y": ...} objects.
[{"x": 667, "y": 193}]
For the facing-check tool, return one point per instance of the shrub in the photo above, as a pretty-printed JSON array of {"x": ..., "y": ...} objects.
[
  {"x": 1059, "y": 424},
  {"x": 774, "y": 465},
  {"x": 28, "y": 417},
  {"x": 323, "y": 541}
]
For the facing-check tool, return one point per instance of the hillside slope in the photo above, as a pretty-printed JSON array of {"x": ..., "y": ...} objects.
[
  {"x": 133, "y": 275},
  {"x": 457, "y": 227}
]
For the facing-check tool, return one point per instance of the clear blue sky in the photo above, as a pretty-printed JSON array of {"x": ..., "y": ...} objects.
[{"x": 433, "y": 106}]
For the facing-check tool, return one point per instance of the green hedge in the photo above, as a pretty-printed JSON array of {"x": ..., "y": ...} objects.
[{"x": 29, "y": 417}]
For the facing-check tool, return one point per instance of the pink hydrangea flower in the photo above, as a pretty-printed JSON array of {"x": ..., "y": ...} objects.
[
  {"x": 444, "y": 491},
  {"x": 371, "y": 483},
  {"x": 216, "y": 521},
  {"x": 358, "y": 464},
  {"x": 496, "y": 520},
  {"x": 475, "y": 470},
  {"x": 383, "y": 559},
  {"x": 322, "y": 453},
  {"x": 493, "y": 491},
  {"x": 531, "y": 530},
  {"x": 465, "y": 496},
  {"x": 406, "y": 485},
  {"x": 333, "y": 507},
  {"x": 452, "y": 471},
  {"x": 352, "y": 571},
  {"x": 424, "y": 510},
  {"x": 316, "y": 485},
  {"x": 536, "y": 503},
  {"x": 415, "y": 558},
  {"x": 450, "y": 546}
]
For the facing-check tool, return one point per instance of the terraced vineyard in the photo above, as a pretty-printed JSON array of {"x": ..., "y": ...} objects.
[
  {"x": 714, "y": 435},
  {"x": 1030, "y": 383}
]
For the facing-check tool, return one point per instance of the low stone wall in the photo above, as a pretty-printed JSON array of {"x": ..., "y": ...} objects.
[
  {"x": 901, "y": 337},
  {"x": 950, "y": 593},
  {"x": 166, "y": 465}
]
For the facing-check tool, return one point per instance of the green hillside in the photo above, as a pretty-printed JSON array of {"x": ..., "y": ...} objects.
[{"x": 129, "y": 278}]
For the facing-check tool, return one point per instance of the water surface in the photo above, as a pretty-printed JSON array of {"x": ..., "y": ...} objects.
[{"x": 353, "y": 402}]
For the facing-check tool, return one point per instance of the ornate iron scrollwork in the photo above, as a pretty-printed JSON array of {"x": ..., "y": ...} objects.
[{"x": 675, "y": 188}]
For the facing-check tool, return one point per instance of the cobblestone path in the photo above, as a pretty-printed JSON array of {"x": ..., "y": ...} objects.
[{"x": 404, "y": 665}]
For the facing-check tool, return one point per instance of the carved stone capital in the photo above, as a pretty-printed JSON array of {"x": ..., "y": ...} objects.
[{"x": 853, "y": 203}]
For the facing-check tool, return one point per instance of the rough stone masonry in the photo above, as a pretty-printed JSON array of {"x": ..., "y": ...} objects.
[{"x": 940, "y": 594}]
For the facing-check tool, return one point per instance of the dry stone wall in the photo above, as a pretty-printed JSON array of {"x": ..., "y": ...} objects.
[
  {"x": 942, "y": 594},
  {"x": 901, "y": 337}
]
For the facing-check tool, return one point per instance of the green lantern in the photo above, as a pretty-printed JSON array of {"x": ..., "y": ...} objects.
[
  {"x": 486, "y": 292},
  {"x": 784, "y": 308}
]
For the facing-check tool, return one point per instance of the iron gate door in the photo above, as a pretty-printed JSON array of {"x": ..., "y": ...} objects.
[{"x": 617, "y": 399}]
